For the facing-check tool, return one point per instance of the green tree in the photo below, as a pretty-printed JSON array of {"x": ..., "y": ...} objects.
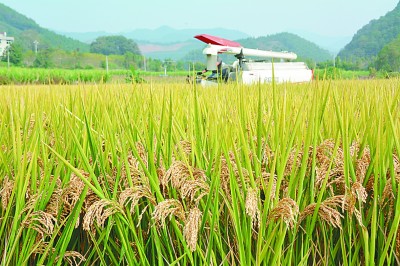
[
  {"x": 154, "y": 65},
  {"x": 132, "y": 60},
  {"x": 117, "y": 45},
  {"x": 43, "y": 59},
  {"x": 14, "y": 53},
  {"x": 389, "y": 57}
]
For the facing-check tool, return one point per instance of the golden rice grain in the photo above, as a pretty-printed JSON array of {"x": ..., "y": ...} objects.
[
  {"x": 133, "y": 195},
  {"x": 99, "y": 212},
  {"x": 251, "y": 206},
  {"x": 179, "y": 172},
  {"x": 42, "y": 222},
  {"x": 195, "y": 190},
  {"x": 327, "y": 211},
  {"x": 191, "y": 229},
  {"x": 6, "y": 191},
  {"x": 168, "y": 208},
  {"x": 287, "y": 210}
]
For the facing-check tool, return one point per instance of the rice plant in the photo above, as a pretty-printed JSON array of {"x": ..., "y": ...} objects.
[
  {"x": 53, "y": 76},
  {"x": 175, "y": 174}
]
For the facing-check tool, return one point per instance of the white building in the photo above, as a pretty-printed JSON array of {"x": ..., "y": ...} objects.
[{"x": 5, "y": 42}]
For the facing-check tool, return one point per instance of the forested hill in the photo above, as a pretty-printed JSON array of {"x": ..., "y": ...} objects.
[
  {"x": 288, "y": 42},
  {"x": 26, "y": 31},
  {"x": 370, "y": 39}
]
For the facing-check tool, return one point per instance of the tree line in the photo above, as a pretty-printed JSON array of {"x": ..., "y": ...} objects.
[{"x": 117, "y": 52}]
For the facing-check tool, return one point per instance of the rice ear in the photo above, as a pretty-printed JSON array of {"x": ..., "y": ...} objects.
[
  {"x": 168, "y": 208},
  {"x": 266, "y": 178},
  {"x": 327, "y": 211},
  {"x": 191, "y": 188},
  {"x": 98, "y": 213},
  {"x": 6, "y": 191},
  {"x": 180, "y": 173},
  {"x": 42, "y": 222},
  {"x": 287, "y": 210},
  {"x": 133, "y": 195},
  {"x": 251, "y": 206},
  {"x": 73, "y": 258},
  {"x": 191, "y": 229}
]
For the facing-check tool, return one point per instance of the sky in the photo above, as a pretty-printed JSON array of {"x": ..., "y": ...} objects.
[{"x": 331, "y": 18}]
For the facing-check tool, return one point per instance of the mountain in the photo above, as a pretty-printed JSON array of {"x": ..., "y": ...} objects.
[
  {"x": 166, "y": 34},
  {"x": 26, "y": 31},
  {"x": 161, "y": 35},
  {"x": 370, "y": 39},
  {"x": 175, "y": 51},
  {"x": 163, "y": 42},
  {"x": 169, "y": 43},
  {"x": 86, "y": 37},
  {"x": 166, "y": 42},
  {"x": 331, "y": 43}
]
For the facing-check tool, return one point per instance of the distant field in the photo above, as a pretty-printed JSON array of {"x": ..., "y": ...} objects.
[
  {"x": 16, "y": 75},
  {"x": 173, "y": 174}
]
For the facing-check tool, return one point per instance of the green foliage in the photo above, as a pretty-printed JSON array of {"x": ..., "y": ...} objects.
[
  {"x": 325, "y": 64},
  {"x": 16, "y": 55},
  {"x": 134, "y": 76},
  {"x": 17, "y": 75},
  {"x": 154, "y": 64},
  {"x": 355, "y": 63},
  {"x": 58, "y": 58},
  {"x": 132, "y": 60},
  {"x": 117, "y": 45},
  {"x": 389, "y": 57},
  {"x": 328, "y": 73},
  {"x": 335, "y": 73},
  {"x": 195, "y": 55},
  {"x": 13, "y": 19},
  {"x": 369, "y": 40},
  {"x": 43, "y": 59},
  {"x": 13, "y": 54}
]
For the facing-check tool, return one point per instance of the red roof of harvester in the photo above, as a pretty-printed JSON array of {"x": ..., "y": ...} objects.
[{"x": 209, "y": 39}]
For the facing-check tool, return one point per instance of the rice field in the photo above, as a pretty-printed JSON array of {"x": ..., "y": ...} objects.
[
  {"x": 18, "y": 76},
  {"x": 174, "y": 174}
]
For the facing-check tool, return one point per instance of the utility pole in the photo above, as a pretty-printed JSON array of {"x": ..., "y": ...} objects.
[
  {"x": 107, "y": 64},
  {"x": 8, "y": 57},
  {"x": 144, "y": 63},
  {"x": 166, "y": 62}
]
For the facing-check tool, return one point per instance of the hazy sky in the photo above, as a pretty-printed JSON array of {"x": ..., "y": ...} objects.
[{"x": 254, "y": 17}]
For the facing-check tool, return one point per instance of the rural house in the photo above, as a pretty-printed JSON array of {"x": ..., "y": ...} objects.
[{"x": 5, "y": 42}]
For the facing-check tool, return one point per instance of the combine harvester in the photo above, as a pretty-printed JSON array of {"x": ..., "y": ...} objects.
[{"x": 250, "y": 71}]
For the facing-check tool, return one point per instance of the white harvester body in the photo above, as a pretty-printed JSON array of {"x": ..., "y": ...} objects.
[
  {"x": 275, "y": 66},
  {"x": 253, "y": 72}
]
